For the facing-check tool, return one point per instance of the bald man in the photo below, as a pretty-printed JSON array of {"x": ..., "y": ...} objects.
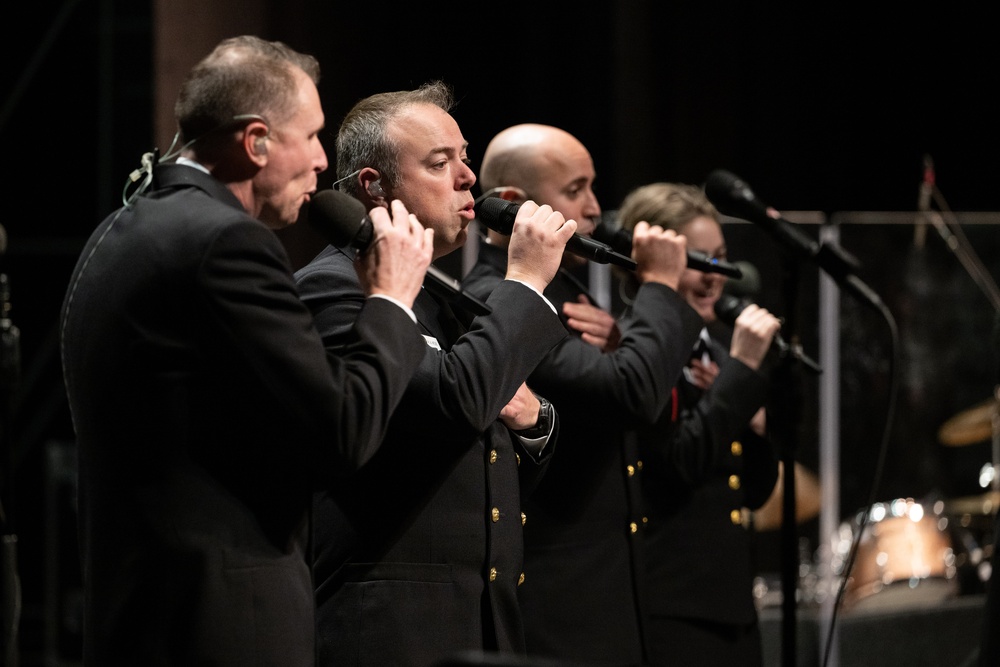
[{"x": 583, "y": 524}]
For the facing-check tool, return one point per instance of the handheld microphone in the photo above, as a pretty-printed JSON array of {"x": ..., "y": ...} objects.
[
  {"x": 729, "y": 307},
  {"x": 749, "y": 285},
  {"x": 620, "y": 241},
  {"x": 343, "y": 221},
  {"x": 732, "y": 196},
  {"x": 498, "y": 214}
]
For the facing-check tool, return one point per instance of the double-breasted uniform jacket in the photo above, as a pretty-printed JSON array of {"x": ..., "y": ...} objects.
[
  {"x": 703, "y": 465},
  {"x": 583, "y": 561},
  {"x": 205, "y": 410},
  {"x": 420, "y": 554}
]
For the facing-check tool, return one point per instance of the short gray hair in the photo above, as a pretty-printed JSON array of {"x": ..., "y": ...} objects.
[
  {"x": 363, "y": 139},
  {"x": 243, "y": 76}
]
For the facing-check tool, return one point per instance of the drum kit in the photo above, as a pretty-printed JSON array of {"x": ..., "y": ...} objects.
[
  {"x": 807, "y": 500},
  {"x": 909, "y": 553},
  {"x": 915, "y": 554},
  {"x": 978, "y": 424}
]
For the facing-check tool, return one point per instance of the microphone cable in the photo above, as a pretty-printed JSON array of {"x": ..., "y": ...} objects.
[{"x": 894, "y": 382}]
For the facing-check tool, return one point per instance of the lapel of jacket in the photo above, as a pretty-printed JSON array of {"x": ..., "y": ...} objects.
[{"x": 437, "y": 319}]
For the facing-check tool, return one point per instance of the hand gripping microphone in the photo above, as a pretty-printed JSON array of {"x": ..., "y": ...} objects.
[
  {"x": 729, "y": 307},
  {"x": 621, "y": 241},
  {"x": 343, "y": 221},
  {"x": 498, "y": 214}
]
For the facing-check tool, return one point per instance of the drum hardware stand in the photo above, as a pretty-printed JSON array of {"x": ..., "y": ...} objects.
[
  {"x": 991, "y": 545},
  {"x": 950, "y": 231},
  {"x": 995, "y": 459}
]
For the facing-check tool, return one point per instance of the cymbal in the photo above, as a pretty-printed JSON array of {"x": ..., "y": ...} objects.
[
  {"x": 969, "y": 426},
  {"x": 807, "y": 499},
  {"x": 985, "y": 504}
]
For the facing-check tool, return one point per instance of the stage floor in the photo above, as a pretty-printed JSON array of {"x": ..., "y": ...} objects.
[{"x": 943, "y": 633}]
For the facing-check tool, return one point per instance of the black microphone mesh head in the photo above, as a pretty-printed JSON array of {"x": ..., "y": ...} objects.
[
  {"x": 995, "y": 340},
  {"x": 605, "y": 232},
  {"x": 729, "y": 307},
  {"x": 731, "y": 195},
  {"x": 340, "y": 218},
  {"x": 609, "y": 233},
  {"x": 721, "y": 180},
  {"x": 497, "y": 214},
  {"x": 748, "y": 285}
]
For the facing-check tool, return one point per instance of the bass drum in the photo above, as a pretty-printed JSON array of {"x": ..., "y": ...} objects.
[{"x": 904, "y": 559}]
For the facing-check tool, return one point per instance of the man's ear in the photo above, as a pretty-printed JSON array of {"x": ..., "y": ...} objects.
[
  {"x": 513, "y": 193},
  {"x": 371, "y": 184},
  {"x": 255, "y": 138}
]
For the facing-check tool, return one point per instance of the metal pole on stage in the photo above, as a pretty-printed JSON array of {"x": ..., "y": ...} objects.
[
  {"x": 829, "y": 449},
  {"x": 10, "y": 584}
]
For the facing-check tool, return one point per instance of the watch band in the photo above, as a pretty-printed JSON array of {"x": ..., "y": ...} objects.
[{"x": 544, "y": 423}]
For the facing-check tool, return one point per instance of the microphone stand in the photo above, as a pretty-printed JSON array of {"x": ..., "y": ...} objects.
[
  {"x": 733, "y": 197},
  {"x": 783, "y": 422},
  {"x": 836, "y": 263}
]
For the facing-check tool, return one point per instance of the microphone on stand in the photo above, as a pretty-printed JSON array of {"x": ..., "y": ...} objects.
[
  {"x": 733, "y": 197},
  {"x": 343, "y": 221}
]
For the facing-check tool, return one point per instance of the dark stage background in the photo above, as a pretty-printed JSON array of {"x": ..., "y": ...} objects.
[{"x": 827, "y": 108}]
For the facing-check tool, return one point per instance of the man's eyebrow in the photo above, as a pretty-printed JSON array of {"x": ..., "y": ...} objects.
[{"x": 447, "y": 150}]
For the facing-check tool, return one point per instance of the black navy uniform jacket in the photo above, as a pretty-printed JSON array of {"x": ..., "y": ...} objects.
[
  {"x": 206, "y": 410},
  {"x": 703, "y": 465},
  {"x": 582, "y": 595},
  {"x": 420, "y": 555}
]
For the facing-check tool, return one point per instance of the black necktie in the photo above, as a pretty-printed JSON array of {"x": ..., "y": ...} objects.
[{"x": 448, "y": 326}]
